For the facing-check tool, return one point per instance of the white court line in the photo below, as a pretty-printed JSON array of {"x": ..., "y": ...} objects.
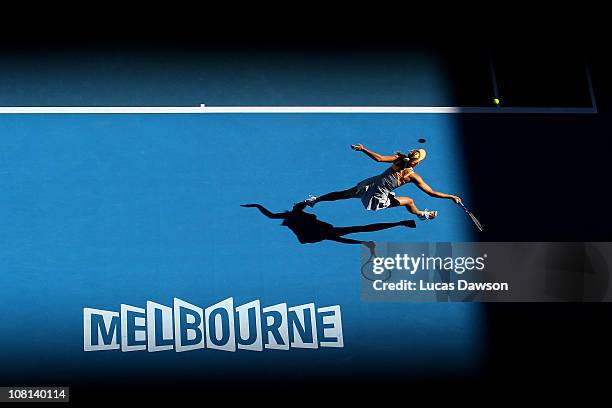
[
  {"x": 101, "y": 109},
  {"x": 292, "y": 109}
]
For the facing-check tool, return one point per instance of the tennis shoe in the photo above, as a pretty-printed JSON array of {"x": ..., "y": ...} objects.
[{"x": 428, "y": 215}]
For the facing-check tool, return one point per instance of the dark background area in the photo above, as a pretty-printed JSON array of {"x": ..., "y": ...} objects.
[
  {"x": 546, "y": 69},
  {"x": 545, "y": 177}
]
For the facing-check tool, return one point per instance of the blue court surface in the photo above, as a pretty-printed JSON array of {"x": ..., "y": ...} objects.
[{"x": 99, "y": 210}]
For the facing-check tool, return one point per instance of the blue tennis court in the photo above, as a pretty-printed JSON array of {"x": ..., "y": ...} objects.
[{"x": 100, "y": 210}]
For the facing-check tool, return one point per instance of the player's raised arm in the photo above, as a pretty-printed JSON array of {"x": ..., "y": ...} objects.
[
  {"x": 374, "y": 156},
  {"x": 416, "y": 179}
]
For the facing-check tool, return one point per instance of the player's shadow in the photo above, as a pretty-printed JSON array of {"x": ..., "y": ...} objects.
[{"x": 308, "y": 229}]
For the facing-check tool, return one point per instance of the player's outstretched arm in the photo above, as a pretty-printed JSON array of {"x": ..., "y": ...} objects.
[
  {"x": 374, "y": 156},
  {"x": 416, "y": 179}
]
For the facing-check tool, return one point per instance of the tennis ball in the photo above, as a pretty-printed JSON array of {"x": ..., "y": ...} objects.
[{"x": 496, "y": 101}]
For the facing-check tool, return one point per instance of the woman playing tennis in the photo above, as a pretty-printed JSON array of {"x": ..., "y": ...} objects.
[{"x": 376, "y": 193}]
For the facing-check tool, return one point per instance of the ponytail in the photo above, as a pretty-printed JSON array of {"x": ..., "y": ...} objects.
[{"x": 402, "y": 160}]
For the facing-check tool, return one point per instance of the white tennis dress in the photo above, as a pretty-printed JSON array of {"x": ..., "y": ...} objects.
[{"x": 375, "y": 192}]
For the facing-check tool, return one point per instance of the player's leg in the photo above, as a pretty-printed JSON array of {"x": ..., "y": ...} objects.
[
  {"x": 411, "y": 207},
  {"x": 333, "y": 196}
]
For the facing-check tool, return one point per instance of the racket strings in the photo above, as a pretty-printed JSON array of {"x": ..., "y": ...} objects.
[
  {"x": 476, "y": 222},
  {"x": 472, "y": 217}
]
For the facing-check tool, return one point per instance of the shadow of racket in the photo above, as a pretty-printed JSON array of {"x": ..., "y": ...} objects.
[{"x": 367, "y": 270}]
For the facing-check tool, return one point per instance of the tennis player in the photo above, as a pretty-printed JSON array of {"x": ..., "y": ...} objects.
[{"x": 376, "y": 193}]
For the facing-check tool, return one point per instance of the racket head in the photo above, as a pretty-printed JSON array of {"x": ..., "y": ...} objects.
[
  {"x": 476, "y": 222},
  {"x": 472, "y": 217}
]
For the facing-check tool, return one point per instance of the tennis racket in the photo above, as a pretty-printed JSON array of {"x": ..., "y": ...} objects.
[{"x": 472, "y": 217}]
